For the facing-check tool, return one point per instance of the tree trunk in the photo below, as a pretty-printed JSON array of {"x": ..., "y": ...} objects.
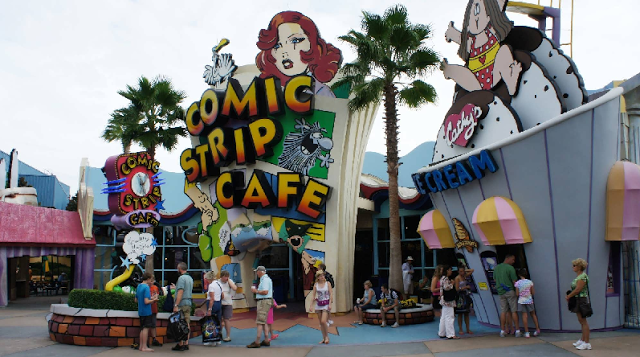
[
  {"x": 148, "y": 264},
  {"x": 391, "y": 131},
  {"x": 126, "y": 148}
]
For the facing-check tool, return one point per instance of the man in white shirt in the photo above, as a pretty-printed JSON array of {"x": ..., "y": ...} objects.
[
  {"x": 227, "y": 301},
  {"x": 407, "y": 276}
]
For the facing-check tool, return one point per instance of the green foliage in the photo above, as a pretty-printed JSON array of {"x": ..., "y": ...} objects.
[
  {"x": 109, "y": 300},
  {"x": 73, "y": 203},
  {"x": 390, "y": 50},
  {"x": 153, "y": 118},
  {"x": 22, "y": 182}
]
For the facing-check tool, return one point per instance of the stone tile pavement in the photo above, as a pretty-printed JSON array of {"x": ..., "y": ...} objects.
[{"x": 23, "y": 333}]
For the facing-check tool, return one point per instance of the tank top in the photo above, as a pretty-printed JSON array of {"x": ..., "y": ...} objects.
[
  {"x": 365, "y": 297},
  {"x": 437, "y": 291},
  {"x": 322, "y": 296}
]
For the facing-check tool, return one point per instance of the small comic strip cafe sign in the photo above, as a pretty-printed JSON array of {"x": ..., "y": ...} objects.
[
  {"x": 455, "y": 174},
  {"x": 134, "y": 191}
]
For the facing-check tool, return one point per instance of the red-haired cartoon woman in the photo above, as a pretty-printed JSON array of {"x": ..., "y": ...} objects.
[
  {"x": 291, "y": 46},
  {"x": 487, "y": 62}
]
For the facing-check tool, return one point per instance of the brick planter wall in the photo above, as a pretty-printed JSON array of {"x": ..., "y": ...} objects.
[
  {"x": 418, "y": 315},
  {"x": 106, "y": 331}
]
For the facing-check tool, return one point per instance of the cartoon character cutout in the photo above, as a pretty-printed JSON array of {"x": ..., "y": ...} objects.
[
  {"x": 295, "y": 235},
  {"x": 202, "y": 202},
  {"x": 291, "y": 45},
  {"x": 303, "y": 147},
  {"x": 223, "y": 65},
  {"x": 487, "y": 61}
]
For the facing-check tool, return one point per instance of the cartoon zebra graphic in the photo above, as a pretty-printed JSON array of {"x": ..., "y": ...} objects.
[{"x": 302, "y": 147}]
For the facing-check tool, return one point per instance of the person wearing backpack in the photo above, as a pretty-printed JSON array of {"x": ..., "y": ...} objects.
[
  {"x": 390, "y": 301},
  {"x": 147, "y": 319}
]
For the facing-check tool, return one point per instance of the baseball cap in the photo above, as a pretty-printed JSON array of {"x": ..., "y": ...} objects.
[{"x": 260, "y": 268}]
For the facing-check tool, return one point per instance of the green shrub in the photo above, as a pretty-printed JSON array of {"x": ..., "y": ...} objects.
[{"x": 109, "y": 300}]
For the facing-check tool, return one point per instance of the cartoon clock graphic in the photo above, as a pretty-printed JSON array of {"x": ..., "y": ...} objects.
[{"x": 140, "y": 184}]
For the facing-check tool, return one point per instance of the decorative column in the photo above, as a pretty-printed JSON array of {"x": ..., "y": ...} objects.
[{"x": 631, "y": 250}]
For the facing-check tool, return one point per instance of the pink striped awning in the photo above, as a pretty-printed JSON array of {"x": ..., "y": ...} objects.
[
  {"x": 623, "y": 202},
  {"x": 499, "y": 221}
]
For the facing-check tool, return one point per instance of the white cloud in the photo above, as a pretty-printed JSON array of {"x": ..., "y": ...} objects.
[{"x": 62, "y": 63}]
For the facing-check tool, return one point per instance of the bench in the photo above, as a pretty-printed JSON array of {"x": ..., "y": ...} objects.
[{"x": 418, "y": 315}]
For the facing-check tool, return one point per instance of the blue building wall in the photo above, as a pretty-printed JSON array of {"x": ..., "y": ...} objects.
[{"x": 51, "y": 192}]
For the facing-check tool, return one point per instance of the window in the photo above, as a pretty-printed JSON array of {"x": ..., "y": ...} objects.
[
  {"x": 411, "y": 227},
  {"x": 613, "y": 271},
  {"x": 383, "y": 229},
  {"x": 412, "y": 248}
]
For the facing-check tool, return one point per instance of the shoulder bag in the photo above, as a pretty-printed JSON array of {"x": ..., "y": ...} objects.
[{"x": 585, "y": 304}]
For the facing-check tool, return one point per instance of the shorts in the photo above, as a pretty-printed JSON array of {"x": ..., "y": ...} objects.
[
  {"x": 509, "y": 302},
  {"x": 526, "y": 308},
  {"x": 227, "y": 311},
  {"x": 186, "y": 311},
  {"x": 367, "y": 306},
  {"x": 579, "y": 301},
  {"x": 262, "y": 310},
  {"x": 148, "y": 321},
  {"x": 216, "y": 309},
  {"x": 436, "y": 302}
]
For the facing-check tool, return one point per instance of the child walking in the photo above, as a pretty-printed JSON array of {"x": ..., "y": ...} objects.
[
  {"x": 525, "y": 292},
  {"x": 270, "y": 318}
]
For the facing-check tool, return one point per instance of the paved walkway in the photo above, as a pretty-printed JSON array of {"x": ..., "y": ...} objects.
[{"x": 23, "y": 333}]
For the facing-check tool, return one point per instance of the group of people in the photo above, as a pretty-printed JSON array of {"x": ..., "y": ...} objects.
[
  {"x": 219, "y": 303},
  {"x": 450, "y": 295}
]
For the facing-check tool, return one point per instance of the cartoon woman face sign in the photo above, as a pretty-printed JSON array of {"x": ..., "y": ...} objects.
[
  {"x": 479, "y": 19},
  {"x": 292, "y": 40},
  {"x": 291, "y": 45}
]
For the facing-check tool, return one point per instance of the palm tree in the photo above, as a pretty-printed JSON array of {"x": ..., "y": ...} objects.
[
  {"x": 153, "y": 118},
  {"x": 123, "y": 127},
  {"x": 161, "y": 116},
  {"x": 390, "y": 50}
]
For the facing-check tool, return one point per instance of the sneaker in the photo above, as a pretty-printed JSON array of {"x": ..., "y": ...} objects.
[
  {"x": 227, "y": 339},
  {"x": 518, "y": 334},
  {"x": 253, "y": 345},
  {"x": 537, "y": 333},
  {"x": 265, "y": 343},
  {"x": 584, "y": 346},
  {"x": 395, "y": 325},
  {"x": 177, "y": 347},
  {"x": 218, "y": 343},
  {"x": 274, "y": 336},
  {"x": 207, "y": 344},
  {"x": 383, "y": 325},
  {"x": 156, "y": 343},
  {"x": 527, "y": 335},
  {"x": 578, "y": 343},
  {"x": 330, "y": 322},
  {"x": 185, "y": 347},
  {"x": 503, "y": 334}
]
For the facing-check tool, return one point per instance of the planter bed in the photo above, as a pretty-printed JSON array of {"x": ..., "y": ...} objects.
[
  {"x": 109, "y": 328},
  {"x": 417, "y": 315}
]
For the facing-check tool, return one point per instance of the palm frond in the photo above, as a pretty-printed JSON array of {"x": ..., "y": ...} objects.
[
  {"x": 417, "y": 94},
  {"x": 367, "y": 93}
]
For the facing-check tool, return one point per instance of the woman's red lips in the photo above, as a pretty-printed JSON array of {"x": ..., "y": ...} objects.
[{"x": 287, "y": 64}]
